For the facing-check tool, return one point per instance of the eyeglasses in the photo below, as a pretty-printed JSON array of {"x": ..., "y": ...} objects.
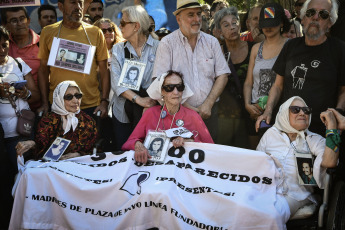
[
  {"x": 170, "y": 88},
  {"x": 299, "y": 4},
  {"x": 324, "y": 14},
  {"x": 69, "y": 97},
  {"x": 297, "y": 109},
  {"x": 15, "y": 21},
  {"x": 124, "y": 23},
  {"x": 110, "y": 30}
]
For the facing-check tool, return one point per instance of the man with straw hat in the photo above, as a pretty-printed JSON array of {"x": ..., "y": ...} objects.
[{"x": 199, "y": 58}]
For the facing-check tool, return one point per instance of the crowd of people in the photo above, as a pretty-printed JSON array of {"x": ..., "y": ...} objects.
[{"x": 221, "y": 79}]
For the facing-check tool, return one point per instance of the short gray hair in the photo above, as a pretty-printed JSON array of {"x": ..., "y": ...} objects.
[
  {"x": 138, "y": 14},
  {"x": 333, "y": 13},
  {"x": 225, "y": 12}
]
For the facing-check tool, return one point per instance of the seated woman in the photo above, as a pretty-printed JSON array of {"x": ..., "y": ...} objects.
[
  {"x": 170, "y": 90},
  {"x": 67, "y": 121},
  {"x": 291, "y": 143}
]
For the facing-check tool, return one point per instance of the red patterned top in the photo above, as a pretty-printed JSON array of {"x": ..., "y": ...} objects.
[{"x": 82, "y": 139}]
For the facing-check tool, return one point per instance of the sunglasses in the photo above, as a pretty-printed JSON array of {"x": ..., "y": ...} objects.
[
  {"x": 69, "y": 97},
  {"x": 297, "y": 109},
  {"x": 124, "y": 23},
  {"x": 324, "y": 14},
  {"x": 110, "y": 30},
  {"x": 170, "y": 88}
]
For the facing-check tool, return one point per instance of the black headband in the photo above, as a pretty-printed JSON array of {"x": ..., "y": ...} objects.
[{"x": 189, "y": 4}]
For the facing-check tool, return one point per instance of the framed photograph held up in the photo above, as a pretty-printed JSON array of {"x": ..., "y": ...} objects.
[
  {"x": 56, "y": 149},
  {"x": 157, "y": 144}
]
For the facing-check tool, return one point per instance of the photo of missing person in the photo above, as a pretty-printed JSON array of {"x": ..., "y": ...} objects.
[
  {"x": 156, "y": 147},
  {"x": 56, "y": 150},
  {"x": 80, "y": 59},
  {"x": 132, "y": 76},
  {"x": 305, "y": 170},
  {"x": 61, "y": 56}
]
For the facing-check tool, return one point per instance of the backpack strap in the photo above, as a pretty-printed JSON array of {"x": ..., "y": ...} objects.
[
  {"x": 19, "y": 65},
  {"x": 127, "y": 53}
]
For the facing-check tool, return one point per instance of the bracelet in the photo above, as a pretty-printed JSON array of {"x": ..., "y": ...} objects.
[
  {"x": 333, "y": 139},
  {"x": 134, "y": 98},
  {"x": 28, "y": 96},
  {"x": 105, "y": 99}
]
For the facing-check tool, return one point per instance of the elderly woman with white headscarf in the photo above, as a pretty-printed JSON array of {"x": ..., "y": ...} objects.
[
  {"x": 292, "y": 144},
  {"x": 67, "y": 121},
  {"x": 170, "y": 90}
]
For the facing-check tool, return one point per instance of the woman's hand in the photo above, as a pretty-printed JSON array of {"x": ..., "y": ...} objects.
[
  {"x": 328, "y": 119},
  {"x": 340, "y": 119},
  {"x": 178, "y": 142},
  {"x": 254, "y": 110},
  {"x": 145, "y": 102},
  {"x": 141, "y": 154},
  {"x": 4, "y": 89},
  {"x": 24, "y": 146},
  {"x": 69, "y": 155}
]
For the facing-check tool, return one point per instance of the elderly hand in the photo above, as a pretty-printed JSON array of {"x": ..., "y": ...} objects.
[
  {"x": 267, "y": 115},
  {"x": 205, "y": 110},
  {"x": 254, "y": 110},
  {"x": 24, "y": 146},
  {"x": 340, "y": 119},
  {"x": 145, "y": 102},
  {"x": 178, "y": 142},
  {"x": 141, "y": 154},
  {"x": 103, "y": 107},
  {"x": 69, "y": 155},
  {"x": 257, "y": 35},
  {"x": 328, "y": 119}
]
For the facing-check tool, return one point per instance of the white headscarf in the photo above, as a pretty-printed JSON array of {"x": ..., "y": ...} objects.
[
  {"x": 155, "y": 89},
  {"x": 283, "y": 121},
  {"x": 68, "y": 119}
]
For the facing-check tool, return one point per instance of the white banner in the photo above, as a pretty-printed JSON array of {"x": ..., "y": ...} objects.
[{"x": 200, "y": 186}]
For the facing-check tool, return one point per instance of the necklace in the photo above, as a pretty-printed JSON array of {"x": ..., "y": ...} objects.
[{"x": 160, "y": 117}]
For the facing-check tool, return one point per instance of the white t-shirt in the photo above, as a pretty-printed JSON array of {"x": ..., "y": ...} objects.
[{"x": 11, "y": 73}]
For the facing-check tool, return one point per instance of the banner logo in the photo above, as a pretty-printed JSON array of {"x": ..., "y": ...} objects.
[{"x": 133, "y": 183}]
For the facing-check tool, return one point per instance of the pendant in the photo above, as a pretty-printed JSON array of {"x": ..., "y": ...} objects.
[
  {"x": 164, "y": 114},
  {"x": 179, "y": 122}
]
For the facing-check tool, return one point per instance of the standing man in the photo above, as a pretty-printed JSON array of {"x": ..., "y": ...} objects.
[
  {"x": 23, "y": 40},
  {"x": 312, "y": 67},
  {"x": 73, "y": 29},
  {"x": 253, "y": 34},
  {"x": 46, "y": 15},
  {"x": 95, "y": 10},
  {"x": 199, "y": 58}
]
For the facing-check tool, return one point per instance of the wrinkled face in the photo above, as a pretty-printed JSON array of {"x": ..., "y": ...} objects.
[
  {"x": 291, "y": 33},
  {"x": 132, "y": 74},
  {"x": 47, "y": 18},
  {"x": 72, "y": 10},
  {"x": 230, "y": 27},
  {"x": 95, "y": 10},
  {"x": 189, "y": 21},
  {"x": 174, "y": 97},
  {"x": 128, "y": 30},
  {"x": 306, "y": 169},
  {"x": 109, "y": 36},
  {"x": 156, "y": 145},
  {"x": 4, "y": 47},
  {"x": 316, "y": 27},
  {"x": 17, "y": 23},
  {"x": 73, "y": 105},
  {"x": 299, "y": 121},
  {"x": 253, "y": 21}
]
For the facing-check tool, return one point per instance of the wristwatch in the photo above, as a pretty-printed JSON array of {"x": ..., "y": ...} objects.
[
  {"x": 134, "y": 98},
  {"x": 105, "y": 99}
]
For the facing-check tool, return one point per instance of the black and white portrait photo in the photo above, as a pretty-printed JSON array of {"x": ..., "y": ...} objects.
[
  {"x": 132, "y": 76},
  {"x": 57, "y": 148},
  {"x": 157, "y": 144},
  {"x": 156, "y": 147},
  {"x": 80, "y": 59}
]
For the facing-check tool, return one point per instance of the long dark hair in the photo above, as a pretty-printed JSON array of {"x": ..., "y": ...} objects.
[{"x": 155, "y": 140}]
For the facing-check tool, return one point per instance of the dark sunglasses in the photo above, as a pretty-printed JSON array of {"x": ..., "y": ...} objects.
[
  {"x": 324, "y": 14},
  {"x": 110, "y": 30},
  {"x": 297, "y": 109},
  {"x": 299, "y": 4},
  {"x": 170, "y": 88},
  {"x": 69, "y": 97},
  {"x": 124, "y": 23}
]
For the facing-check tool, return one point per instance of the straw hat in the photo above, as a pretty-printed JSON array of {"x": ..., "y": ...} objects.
[{"x": 185, "y": 4}]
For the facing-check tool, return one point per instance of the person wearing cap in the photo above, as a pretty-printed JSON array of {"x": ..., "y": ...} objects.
[
  {"x": 199, "y": 58},
  {"x": 312, "y": 67},
  {"x": 162, "y": 32},
  {"x": 170, "y": 91},
  {"x": 260, "y": 77}
]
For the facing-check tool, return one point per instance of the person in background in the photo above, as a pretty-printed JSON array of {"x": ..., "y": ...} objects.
[
  {"x": 198, "y": 56},
  {"x": 298, "y": 7},
  {"x": 232, "y": 125},
  {"x": 46, "y": 15},
  {"x": 162, "y": 32},
  {"x": 66, "y": 120},
  {"x": 141, "y": 46},
  {"x": 205, "y": 17},
  {"x": 295, "y": 30},
  {"x": 87, "y": 19},
  {"x": 23, "y": 41},
  {"x": 289, "y": 136},
  {"x": 206, "y": 11},
  {"x": 260, "y": 76},
  {"x": 253, "y": 34},
  {"x": 216, "y": 6},
  {"x": 95, "y": 10},
  {"x": 152, "y": 23},
  {"x": 171, "y": 92},
  {"x": 305, "y": 61}
]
